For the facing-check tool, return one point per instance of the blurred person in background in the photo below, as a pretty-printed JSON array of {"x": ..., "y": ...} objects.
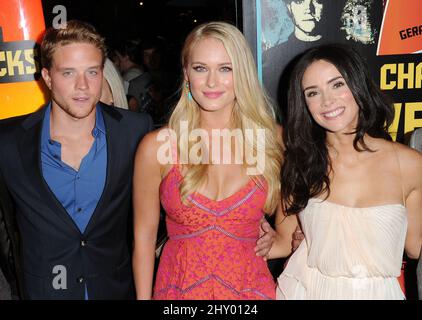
[{"x": 113, "y": 92}]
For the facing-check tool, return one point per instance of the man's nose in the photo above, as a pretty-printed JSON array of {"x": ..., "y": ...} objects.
[
  {"x": 310, "y": 6},
  {"x": 81, "y": 82}
]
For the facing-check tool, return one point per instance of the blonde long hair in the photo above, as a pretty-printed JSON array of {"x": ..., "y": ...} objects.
[
  {"x": 115, "y": 81},
  {"x": 252, "y": 110}
]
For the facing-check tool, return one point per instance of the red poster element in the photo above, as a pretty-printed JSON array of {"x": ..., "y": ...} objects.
[
  {"x": 21, "y": 19},
  {"x": 401, "y": 278},
  {"x": 22, "y": 24},
  {"x": 401, "y": 31}
]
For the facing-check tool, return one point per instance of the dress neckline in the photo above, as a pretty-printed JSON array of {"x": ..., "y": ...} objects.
[
  {"x": 246, "y": 187},
  {"x": 318, "y": 200}
]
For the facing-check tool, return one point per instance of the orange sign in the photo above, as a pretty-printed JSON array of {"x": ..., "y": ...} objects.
[
  {"x": 401, "y": 31},
  {"x": 22, "y": 90}
]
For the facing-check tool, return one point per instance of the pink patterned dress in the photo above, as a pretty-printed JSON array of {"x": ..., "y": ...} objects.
[{"x": 210, "y": 252}]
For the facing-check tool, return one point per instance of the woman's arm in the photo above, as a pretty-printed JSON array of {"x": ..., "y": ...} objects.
[
  {"x": 146, "y": 205},
  {"x": 411, "y": 166},
  {"x": 285, "y": 226}
]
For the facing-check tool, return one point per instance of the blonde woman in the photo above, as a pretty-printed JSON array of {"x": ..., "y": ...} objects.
[
  {"x": 214, "y": 193},
  {"x": 113, "y": 91}
]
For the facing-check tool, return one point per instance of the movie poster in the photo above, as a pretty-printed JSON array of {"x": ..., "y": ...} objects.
[
  {"x": 399, "y": 64},
  {"x": 387, "y": 33}
]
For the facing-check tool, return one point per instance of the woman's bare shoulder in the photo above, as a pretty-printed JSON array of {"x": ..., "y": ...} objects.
[
  {"x": 410, "y": 164},
  {"x": 154, "y": 139},
  {"x": 408, "y": 156}
]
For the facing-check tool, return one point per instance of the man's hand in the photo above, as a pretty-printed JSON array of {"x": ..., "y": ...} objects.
[
  {"x": 297, "y": 238},
  {"x": 266, "y": 240}
]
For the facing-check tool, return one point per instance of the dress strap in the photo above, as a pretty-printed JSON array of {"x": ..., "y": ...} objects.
[{"x": 401, "y": 179}]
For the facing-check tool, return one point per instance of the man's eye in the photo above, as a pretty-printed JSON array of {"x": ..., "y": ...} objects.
[{"x": 67, "y": 73}]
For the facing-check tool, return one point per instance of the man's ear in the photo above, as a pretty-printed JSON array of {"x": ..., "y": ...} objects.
[{"x": 46, "y": 76}]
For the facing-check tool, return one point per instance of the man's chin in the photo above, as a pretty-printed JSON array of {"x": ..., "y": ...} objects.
[
  {"x": 308, "y": 36},
  {"x": 310, "y": 31},
  {"x": 80, "y": 113}
]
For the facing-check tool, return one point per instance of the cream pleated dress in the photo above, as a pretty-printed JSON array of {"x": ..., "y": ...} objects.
[{"x": 348, "y": 253}]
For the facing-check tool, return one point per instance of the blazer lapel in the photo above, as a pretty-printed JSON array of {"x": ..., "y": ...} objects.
[
  {"x": 30, "y": 152},
  {"x": 111, "y": 121}
]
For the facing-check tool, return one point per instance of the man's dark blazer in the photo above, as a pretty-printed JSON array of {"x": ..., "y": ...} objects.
[
  {"x": 9, "y": 246},
  {"x": 54, "y": 253}
]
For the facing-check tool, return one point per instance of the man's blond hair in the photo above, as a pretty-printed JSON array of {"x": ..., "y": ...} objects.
[{"x": 74, "y": 32}]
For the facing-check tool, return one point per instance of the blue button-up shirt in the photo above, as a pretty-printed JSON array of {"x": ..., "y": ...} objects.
[{"x": 77, "y": 191}]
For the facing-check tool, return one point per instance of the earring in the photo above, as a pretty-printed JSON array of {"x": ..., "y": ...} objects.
[{"x": 189, "y": 93}]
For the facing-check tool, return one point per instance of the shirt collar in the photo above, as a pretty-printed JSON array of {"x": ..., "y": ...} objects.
[{"x": 99, "y": 123}]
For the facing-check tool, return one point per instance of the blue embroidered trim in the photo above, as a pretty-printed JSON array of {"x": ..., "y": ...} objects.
[
  {"x": 209, "y": 228},
  {"x": 225, "y": 211}
]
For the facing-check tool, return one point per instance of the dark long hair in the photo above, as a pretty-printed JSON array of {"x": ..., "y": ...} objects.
[{"x": 306, "y": 168}]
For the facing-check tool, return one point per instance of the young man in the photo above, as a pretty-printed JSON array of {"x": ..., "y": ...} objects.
[
  {"x": 305, "y": 15},
  {"x": 68, "y": 168}
]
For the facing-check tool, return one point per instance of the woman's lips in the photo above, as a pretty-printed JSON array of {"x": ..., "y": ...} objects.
[
  {"x": 334, "y": 113},
  {"x": 213, "y": 95}
]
